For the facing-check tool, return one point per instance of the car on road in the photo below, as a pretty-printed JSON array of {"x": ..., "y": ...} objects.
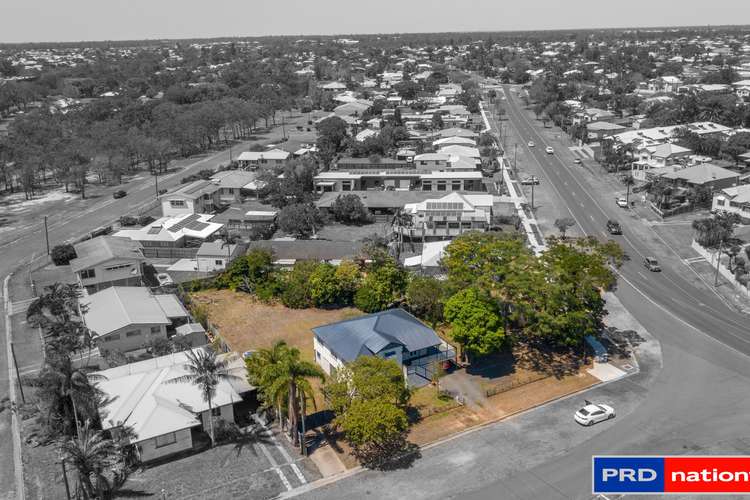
[
  {"x": 614, "y": 227},
  {"x": 119, "y": 194},
  {"x": 577, "y": 161},
  {"x": 549, "y": 150},
  {"x": 622, "y": 202},
  {"x": 594, "y": 413},
  {"x": 531, "y": 144},
  {"x": 530, "y": 180},
  {"x": 651, "y": 264}
]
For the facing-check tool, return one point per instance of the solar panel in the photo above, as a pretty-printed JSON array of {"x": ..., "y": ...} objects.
[
  {"x": 444, "y": 205},
  {"x": 185, "y": 222}
]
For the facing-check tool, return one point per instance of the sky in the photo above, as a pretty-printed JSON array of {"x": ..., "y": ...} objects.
[{"x": 75, "y": 20}]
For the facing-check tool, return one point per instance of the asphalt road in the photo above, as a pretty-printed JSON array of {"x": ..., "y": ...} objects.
[{"x": 694, "y": 402}]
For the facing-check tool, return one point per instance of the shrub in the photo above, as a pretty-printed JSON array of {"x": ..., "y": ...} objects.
[
  {"x": 348, "y": 208},
  {"x": 63, "y": 254},
  {"x": 296, "y": 292}
]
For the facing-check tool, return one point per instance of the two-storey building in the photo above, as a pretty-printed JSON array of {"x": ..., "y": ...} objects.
[{"x": 108, "y": 261}]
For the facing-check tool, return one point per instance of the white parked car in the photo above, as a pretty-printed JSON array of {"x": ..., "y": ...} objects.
[
  {"x": 531, "y": 144},
  {"x": 528, "y": 181},
  {"x": 594, "y": 413},
  {"x": 622, "y": 202},
  {"x": 549, "y": 150},
  {"x": 164, "y": 279}
]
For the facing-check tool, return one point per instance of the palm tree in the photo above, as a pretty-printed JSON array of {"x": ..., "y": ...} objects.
[
  {"x": 67, "y": 383},
  {"x": 291, "y": 378},
  {"x": 205, "y": 371},
  {"x": 90, "y": 453},
  {"x": 229, "y": 240},
  {"x": 628, "y": 180},
  {"x": 261, "y": 368}
]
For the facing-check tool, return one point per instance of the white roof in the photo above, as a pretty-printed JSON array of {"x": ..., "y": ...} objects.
[
  {"x": 272, "y": 154},
  {"x": 455, "y": 140},
  {"x": 171, "y": 229},
  {"x": 120, "y": 306},
  {"x": 471, "y": 152},
  {"x": 432, "y": 252},
  {"x": 140, "y": 396},
  {"x": 453, "y": 175},
  {"x": 474, "y": 203}
]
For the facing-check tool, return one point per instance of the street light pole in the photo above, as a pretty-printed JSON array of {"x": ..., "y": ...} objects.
[
  {"x": 156, "y": 183},
  {"x": 46, "y": 233},
  {"x": 515, "y": 151}
]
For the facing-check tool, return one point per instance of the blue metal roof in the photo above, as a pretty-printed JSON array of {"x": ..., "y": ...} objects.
[{"x": 370, "y": 334}]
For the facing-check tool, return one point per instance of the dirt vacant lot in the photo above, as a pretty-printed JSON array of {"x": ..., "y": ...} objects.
[{"x": 246, "y": 324}]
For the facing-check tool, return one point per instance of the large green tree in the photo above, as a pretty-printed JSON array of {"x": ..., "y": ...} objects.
[
  {"x": 381, "y": 287},
  {"x": 476, "y": 323}
]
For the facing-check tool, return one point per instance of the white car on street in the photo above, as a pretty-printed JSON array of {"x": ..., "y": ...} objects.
[
  {"x": 549, "y": 150},
  {"x": 531, "y": 144},
  {"x": 594, "y": 413},
  {"x": 622, "y": 202}
]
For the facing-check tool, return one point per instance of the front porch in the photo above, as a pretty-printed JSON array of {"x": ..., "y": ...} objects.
[{"x": 419, "y": 371}]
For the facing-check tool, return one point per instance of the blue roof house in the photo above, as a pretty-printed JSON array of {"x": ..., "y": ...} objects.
[{"x": 393, "y": 334}]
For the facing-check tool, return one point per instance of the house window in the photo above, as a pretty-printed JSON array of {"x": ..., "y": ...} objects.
[
  {"x": 115, "y": 268},
  {"x": 88, "y": 274},
  {"x": 456, "y": 185},
  {"x": 166, "y": 439},
  {"x": 426, "y": 186},
  {"x": 177, "y": 203},
  {"x": 720, "y": 202},
  {"x": 441, "y": 186},
  {"x": 133, "y": 333},
  {"x": 389, "y": 354},
  {"x": 155, "y": 329},
  {"x": 346, "y": 185},
  {"x": 219, "y": 262},
  {"x": 110, "y": 338},
  {"x": 467, "y": 185},
  {"x": 317, "y": 354},
  {"x": 216, "y": 412}
]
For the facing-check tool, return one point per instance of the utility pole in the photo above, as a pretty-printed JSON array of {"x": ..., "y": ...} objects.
[
  {"x": 532, "y": 196},
  {"x": 230, "y": 152},
  {"x": 46, "y": 233},
  {"x": 18, "y": 375},
  {"x": 283, "y": 130},
  {"x": 515, "y": 150},
  {"x": 156, "y": 183}
]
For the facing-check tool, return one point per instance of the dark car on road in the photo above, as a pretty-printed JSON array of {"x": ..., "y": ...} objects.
[
  {"x": 119, "y": 194},
  {"x": 651, "y": 264},
  {"x": 614, "y": 227}
]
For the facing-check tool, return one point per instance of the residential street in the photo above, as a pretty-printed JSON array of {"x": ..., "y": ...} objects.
[{"x": 695, "y": 403}]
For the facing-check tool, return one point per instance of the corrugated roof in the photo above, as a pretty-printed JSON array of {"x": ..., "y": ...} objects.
[
  {"x": 103, "y": 249},
  {"x": 370, "y": 334},
  {"x": 119, "y": 306}
]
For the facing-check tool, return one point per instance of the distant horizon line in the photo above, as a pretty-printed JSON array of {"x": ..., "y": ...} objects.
[{"x": 339, "y": 35}]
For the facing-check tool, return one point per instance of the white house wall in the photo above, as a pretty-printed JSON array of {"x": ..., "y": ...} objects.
[
  {"x": 149, "y": 451},
  {"x": 325, "y": 358}
]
